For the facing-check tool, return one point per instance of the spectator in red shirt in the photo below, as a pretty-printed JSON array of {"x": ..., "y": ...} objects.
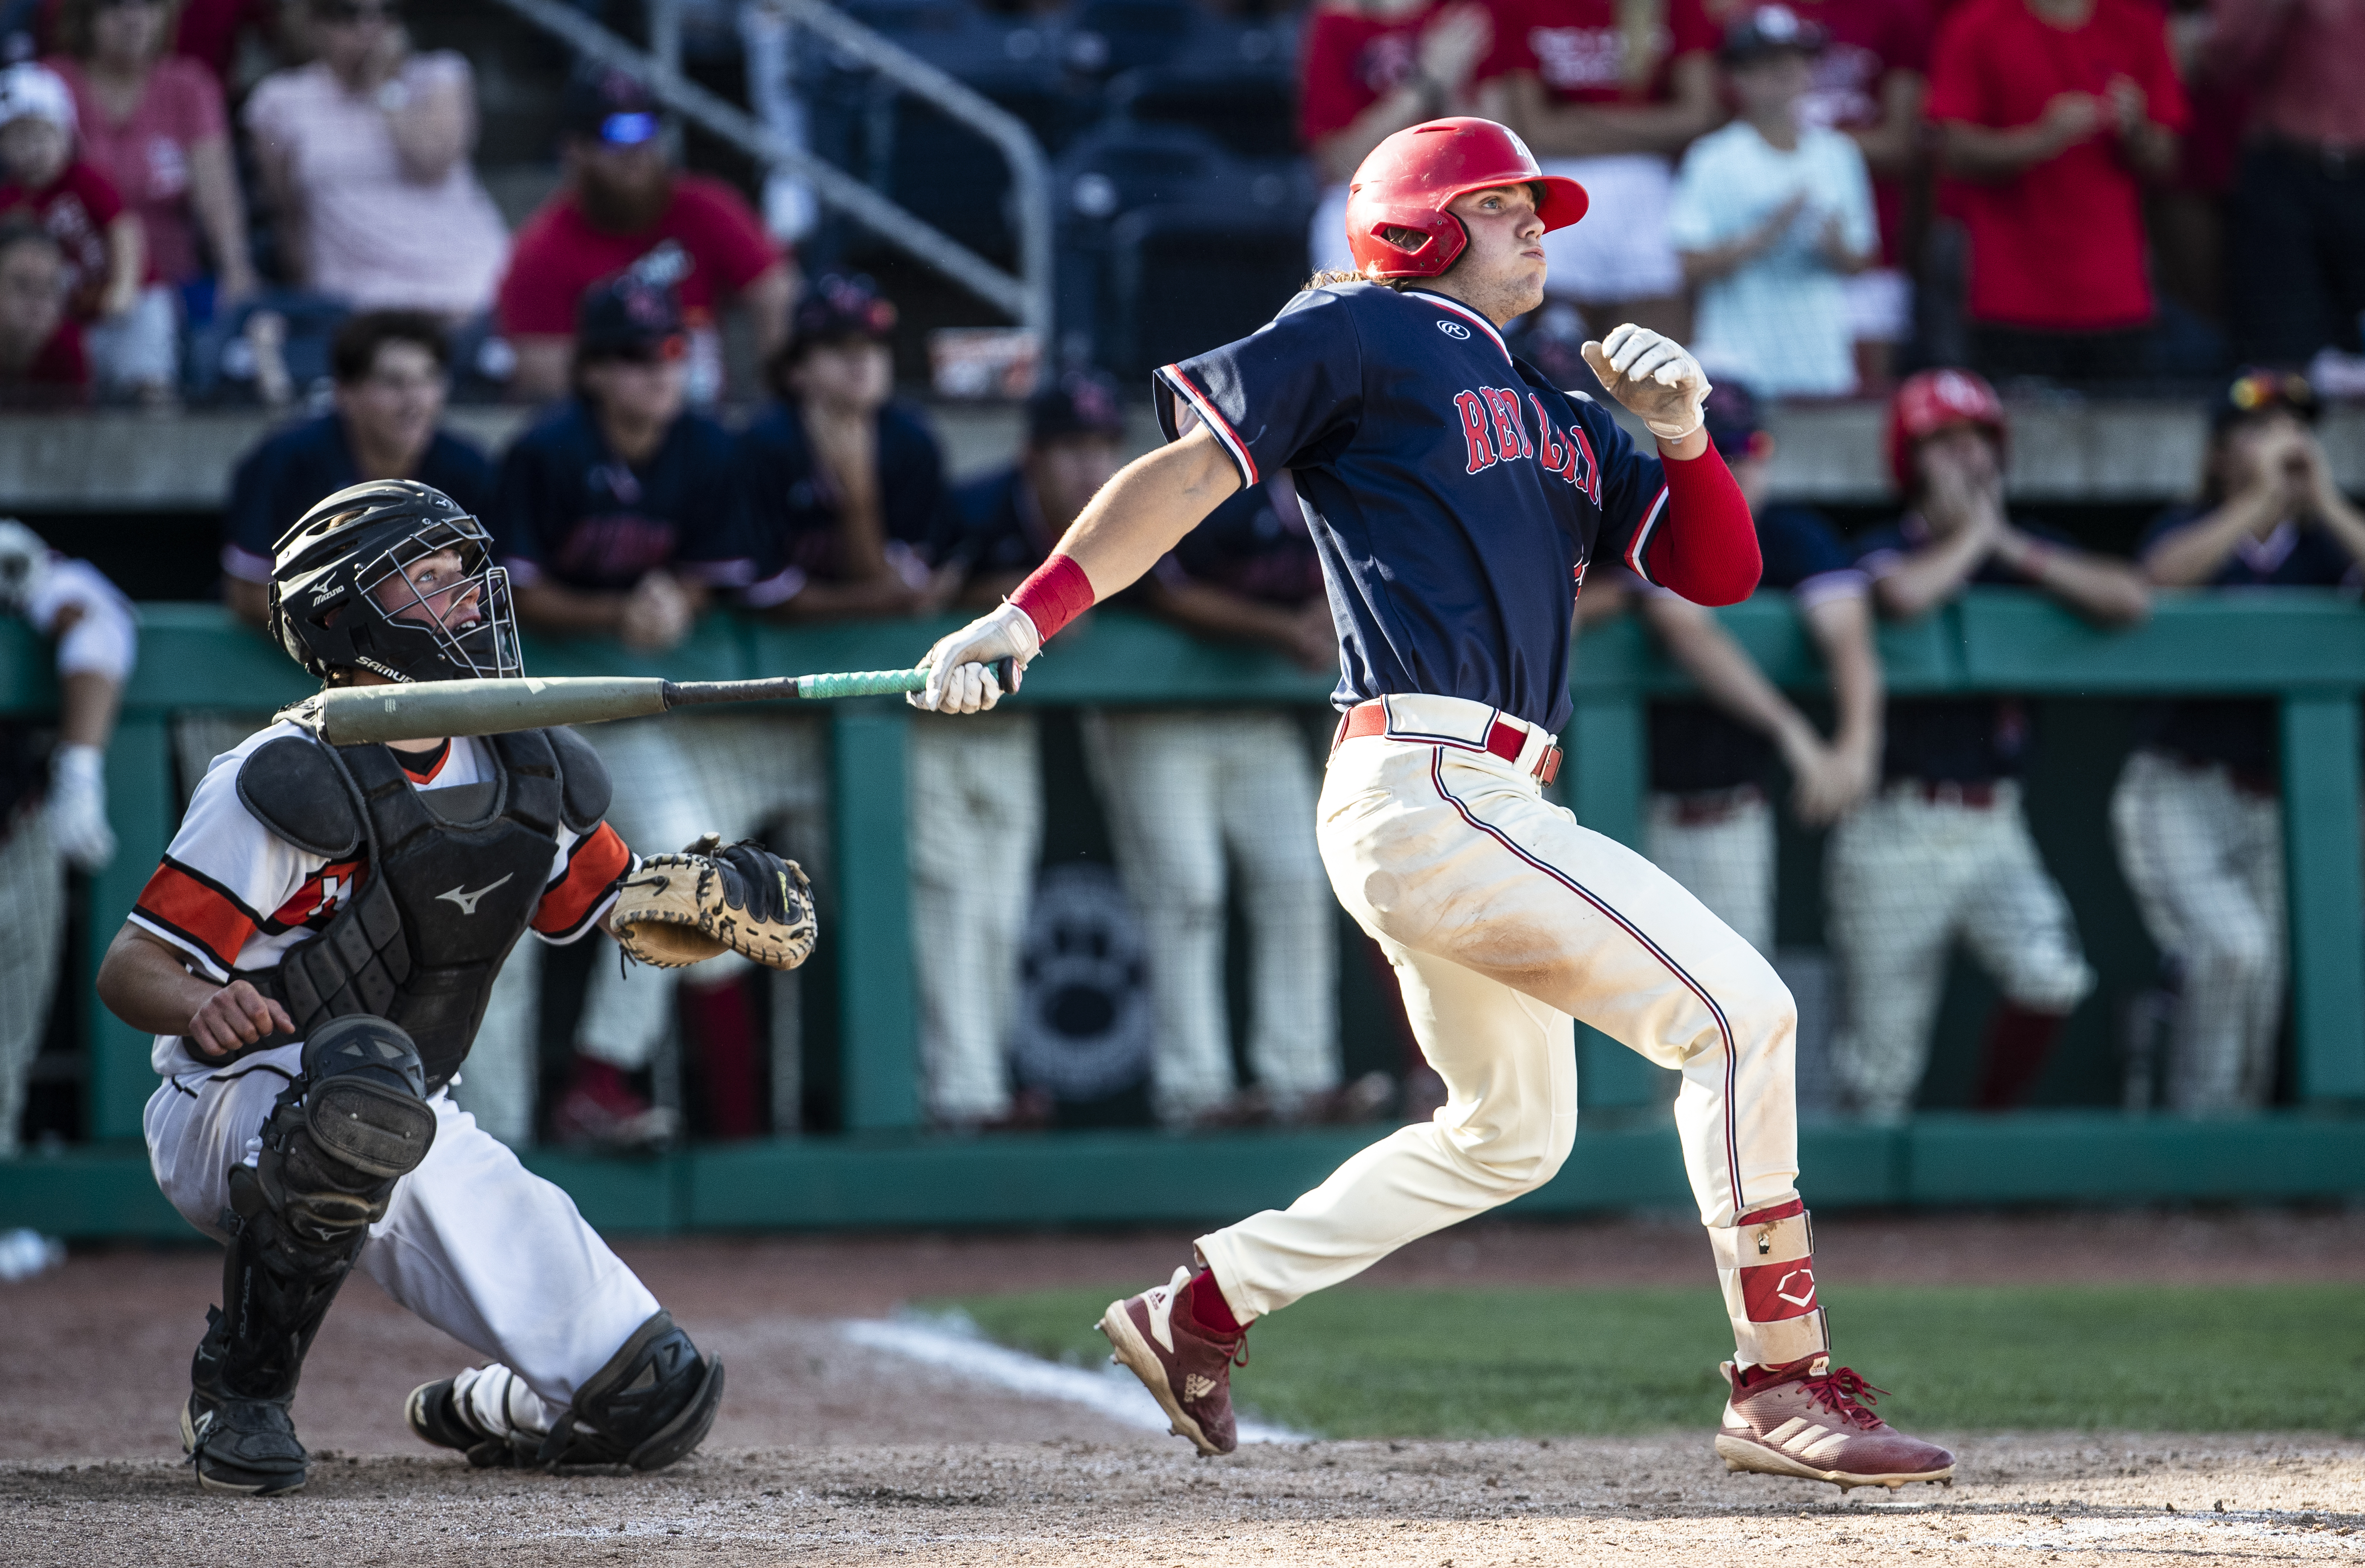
[
  {"x": 1368, "y": 68},
  {"x": 40, "y": 348},
  {"x": 623, "y": 207},
  {"x": 39, "y": 176},
  {"x": 2297, "y": 224},
  {"x": 1607, "y": 93},
  {"x": 2053, "y": 112},
  {"x": 209, "y": 32}
]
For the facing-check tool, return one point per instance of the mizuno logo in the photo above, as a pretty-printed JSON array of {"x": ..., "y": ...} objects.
[
  {"x": 466, "y": 901},
  {"x": 1453, "y": 330}
]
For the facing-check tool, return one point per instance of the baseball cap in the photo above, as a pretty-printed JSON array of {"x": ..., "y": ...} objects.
[
  {"x": 1080, "y": 403},
  {"x": 627, "y": 316},
  {"x": 2258, "y": 390},
  {"x": 604, "y": 103},
  {"x": 1770, "y": 30},
  {"x": 1731, "y": 418},
  {"x": 36, "y": 92},
  {"x": 839, "y": 309}
]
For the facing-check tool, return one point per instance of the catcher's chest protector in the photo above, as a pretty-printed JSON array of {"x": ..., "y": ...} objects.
[{"x": 453, "y": 879}]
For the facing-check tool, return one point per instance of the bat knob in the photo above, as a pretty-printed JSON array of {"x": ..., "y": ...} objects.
[{"x": 1006, "y": 674}]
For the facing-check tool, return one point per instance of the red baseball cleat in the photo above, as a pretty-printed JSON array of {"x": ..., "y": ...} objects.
[
  {"x": 1188, "y": 1372},
  {"x": 1813, "y": 1423}
]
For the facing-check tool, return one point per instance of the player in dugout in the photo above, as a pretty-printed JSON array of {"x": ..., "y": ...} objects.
[
  {"x": 1458, "y": 499},
  {"x": 1942, "y": 852}
]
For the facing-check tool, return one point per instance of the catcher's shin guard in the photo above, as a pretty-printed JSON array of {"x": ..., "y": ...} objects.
[
  {"x": 335, "y": 1145},
  {"x": 649, "y": 1406},
  {"x": 1766, "y": 1265}
]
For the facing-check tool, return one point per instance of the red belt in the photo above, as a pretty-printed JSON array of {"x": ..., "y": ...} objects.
[
  {"x": 1978, "y": 797},
  {"x": 1506, "y": 741}
]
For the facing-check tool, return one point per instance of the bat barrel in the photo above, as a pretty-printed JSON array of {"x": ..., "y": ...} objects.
[{"x": 352, "y": 715}]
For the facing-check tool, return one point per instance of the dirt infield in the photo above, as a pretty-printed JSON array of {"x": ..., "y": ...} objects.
[{"x": 831, "y": 1452}]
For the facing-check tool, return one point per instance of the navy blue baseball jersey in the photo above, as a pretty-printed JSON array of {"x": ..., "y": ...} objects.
[
  {"x": 1455, "y": 497},
  {"x": 569, "y": 510},
  {"x": 1256, "y": 544},
  {"x": 1958, "y": 740},
  {"x": 1698, "y": 748},
  {"x": 281, "y": 479},
  {"x": 2240, "y": 731},
  {"x": 795, "y": 503}
]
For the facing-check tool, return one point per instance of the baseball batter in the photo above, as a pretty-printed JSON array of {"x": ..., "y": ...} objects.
[
  {"x": 1457, "y": 499},
  {"x": 314, "y": 957}
]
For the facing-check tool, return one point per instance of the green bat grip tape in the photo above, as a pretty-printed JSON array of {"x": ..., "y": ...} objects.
[{"x": 862, "y": 683}]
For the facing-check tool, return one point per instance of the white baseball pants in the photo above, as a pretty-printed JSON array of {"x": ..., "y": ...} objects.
[
  {"x": 976, "y": 833},
  {"x": 1721, "y": 849},
  {"x": 1182, "y": 791},
  {"x": 2206, "y": 860},
  {"x": 472, "y": 1242},
  {"x": 32, "y": 936},
  {"x": 1905, "y": 877},
  {"x": 1506, "y": 921}
]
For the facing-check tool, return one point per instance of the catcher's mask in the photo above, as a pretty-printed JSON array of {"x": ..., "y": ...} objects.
[{"x": 355, "y": 586}]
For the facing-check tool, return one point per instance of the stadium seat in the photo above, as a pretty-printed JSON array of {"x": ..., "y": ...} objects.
[{"x": 1168, "y": 244}]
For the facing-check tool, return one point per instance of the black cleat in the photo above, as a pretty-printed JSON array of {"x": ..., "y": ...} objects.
[{"x": 244, "y": 1446}]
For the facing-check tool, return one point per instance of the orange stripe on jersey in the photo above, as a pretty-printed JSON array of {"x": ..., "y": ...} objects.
[
  {"x": 599, "y": 859},
  {"x": 198, "y": 909}
]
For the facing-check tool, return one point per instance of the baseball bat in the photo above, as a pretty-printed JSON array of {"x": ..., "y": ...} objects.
[{"x": 352, "y": 715}]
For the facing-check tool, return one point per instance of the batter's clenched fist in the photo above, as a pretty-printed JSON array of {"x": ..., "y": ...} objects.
[
  {"x": 1654, "y": 376},
  {"x": 236, "y": 1015},
  {"x": 961, "y": 668}
]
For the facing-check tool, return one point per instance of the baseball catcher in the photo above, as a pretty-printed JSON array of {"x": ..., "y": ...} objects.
[{"x": 314, "y": 957}]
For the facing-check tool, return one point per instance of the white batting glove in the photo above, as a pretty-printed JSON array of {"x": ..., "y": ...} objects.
[
  {"x": 960, "y": 677},
  {"x": 77, "y": 806},
  {"x": 1654, "y": 376}
]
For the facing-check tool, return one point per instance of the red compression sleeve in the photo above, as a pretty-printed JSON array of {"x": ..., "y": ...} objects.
[
  {"x": 1055, "y": 594},
  {"x": 1705, "y": 547}
]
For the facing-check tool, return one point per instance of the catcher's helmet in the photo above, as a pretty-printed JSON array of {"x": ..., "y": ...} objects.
[
  {"x": 1407, "y": 180},
  {"x": 342, "y": 597},
  {"x": 1929, "y": 401}
]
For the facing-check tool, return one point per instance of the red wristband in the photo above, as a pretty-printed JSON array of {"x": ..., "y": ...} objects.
[{"x": 1056, "y": 593}]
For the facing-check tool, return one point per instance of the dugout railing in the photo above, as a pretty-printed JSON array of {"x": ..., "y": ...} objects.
[{"x": 2306, "y": 650}]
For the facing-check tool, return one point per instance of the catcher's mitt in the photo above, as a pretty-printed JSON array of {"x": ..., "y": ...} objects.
[{"x": 682, "y": 909}]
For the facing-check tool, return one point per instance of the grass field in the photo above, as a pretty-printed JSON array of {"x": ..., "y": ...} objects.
[{"x": 1373, "y": 1363}]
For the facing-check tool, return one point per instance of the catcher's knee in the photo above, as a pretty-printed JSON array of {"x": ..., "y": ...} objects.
[
  {"x": 332, "y": 1153},
  {"x": 651, "y": 1404}
]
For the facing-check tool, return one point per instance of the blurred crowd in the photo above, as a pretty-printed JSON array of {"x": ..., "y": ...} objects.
[
  {"x": 155, "y": 247},
  {"x": 1821, "y": 196},
  {"x": 623, "y": 513}
]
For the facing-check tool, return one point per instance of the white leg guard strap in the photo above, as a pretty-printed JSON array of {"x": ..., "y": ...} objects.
[{"x": 1766, "y": 1265}]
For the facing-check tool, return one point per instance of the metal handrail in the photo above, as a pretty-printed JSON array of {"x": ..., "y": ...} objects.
[{"x": 1025, "y": 298}]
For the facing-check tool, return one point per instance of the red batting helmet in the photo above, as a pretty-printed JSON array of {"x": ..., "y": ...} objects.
[
  {"x": 1929, "y": 401},
  {"x": 1407, "y": 180}
]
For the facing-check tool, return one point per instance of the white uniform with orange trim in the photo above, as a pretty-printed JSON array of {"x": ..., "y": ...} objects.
[{"x": 472, "y": 1242}]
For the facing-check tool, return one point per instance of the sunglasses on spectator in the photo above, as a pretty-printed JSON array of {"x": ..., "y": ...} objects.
[
  {"x": 2267, "y": 388},
  {"x": 344, "y": 12}
]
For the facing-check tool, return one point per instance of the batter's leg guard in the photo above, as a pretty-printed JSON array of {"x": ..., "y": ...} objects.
[
  {"x": 335, "y": 1145},
  {"x": 651, "y": 1404},
  {"x": 1766, "y": 1265}
]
